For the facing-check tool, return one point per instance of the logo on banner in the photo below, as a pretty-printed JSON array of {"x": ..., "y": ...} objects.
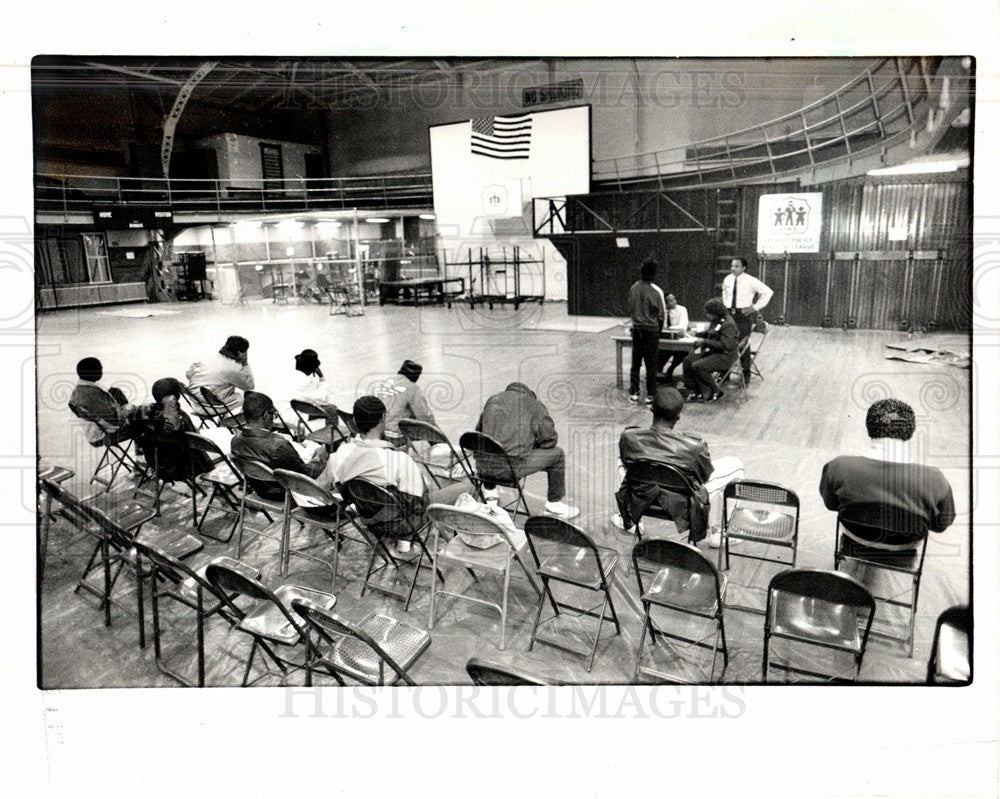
[
  {"x": 496, "y": 200},
  {"x": 789, "y": 222},
  {"x": 791, "y": 215}
]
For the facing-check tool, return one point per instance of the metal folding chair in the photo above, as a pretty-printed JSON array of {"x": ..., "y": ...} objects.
[
  {"x": 271, "y": 622},
  {"x": 223, "y": 478},
  {"x": 329, "y": 435},
  {"x": 348, "y": 419},
  {"x": 486, "y": 673},
  {"x": 196, "y": 407},
  {"x": 950, "y": 662},
  {"x": 379, "y": 650},
  {"x": 223, "y": 415},
  {"x": 56, "y": 475},
  {"x": 676, "y": 577},
  {"x": 493, "y": 466},
  {"x": 644, "y": 484},
  {"x": 563, "y": 553},
  {"x": 162, "y": 449},
  {"x": 736, "y": 367},
  {"x": 116, "y": 444},
  {"x": 477, "y": 543},
  {"x": 761, "y": 329},
  {"x": 415, "y": 431},
  {"x": 817, "y": 608},
  {"x": 887, "y": 539}
]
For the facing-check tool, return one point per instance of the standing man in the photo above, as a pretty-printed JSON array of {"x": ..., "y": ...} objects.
[
  {"x": 648, "y": 311},
  {"x": 744, "y": 296}
]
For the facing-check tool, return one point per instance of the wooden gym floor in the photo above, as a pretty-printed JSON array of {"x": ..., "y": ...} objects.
[{"x": 810, "y": 408}]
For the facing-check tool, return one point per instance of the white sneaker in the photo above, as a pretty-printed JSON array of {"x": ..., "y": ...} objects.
[
  {"x": 714, "y": 538},
  {"x": 616, "y": 520},
  {"x": 561, "y": 509},
  {"x": 401, "y": 550},
  {"x": 633, "y": 397}
]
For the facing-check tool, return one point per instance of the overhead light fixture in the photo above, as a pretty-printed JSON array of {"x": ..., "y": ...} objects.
[
  {"x": 289, "y": 251},
  {"x": 289, "y": 224},
  {"x": 376, "y": 220},
  {"x": 428, "y": 216},
  {"x": 923, "y": 167},
  {"x": 621, "y": 241}
]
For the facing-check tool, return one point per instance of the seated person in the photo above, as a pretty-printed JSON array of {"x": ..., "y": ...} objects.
[
  {"x": 521, "y": 424},
  {"x": 721, "y": 347},
  {"x": 689, "y": 454},
  {"x": 106, "y": 412},
  {"x": 259, "y": 442},
  {"x": 677, "y": 323},
  {"x": 224, "y": 373},
  {"x": 162, "y": 439},
  {"x": 886, "y": 475},
  {"x": 304, "y": 382},
  {"x": 370, "y": 456},
  {"x": 403, "y": 399}
]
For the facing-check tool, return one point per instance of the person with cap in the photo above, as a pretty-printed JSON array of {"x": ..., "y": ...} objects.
[
  {"x": 162, "y": 440},
  {"x": 224, "y": 373},
  {"x": 744, "y": 296},
  {"x": 718, "y": 348},
  {"x": 403, "y": 399},
  {"x": 647, "y": 311},
  {"x": 105, "y": 411},
  {"x": 886, "y": 474},
  {"x": 689, "y": 454},
  {"x": 257, "y": 441},
  {"x": 522, "y": 425},
  {"x": 370, "y": 456},
  {"x": 304, "y": 382}
]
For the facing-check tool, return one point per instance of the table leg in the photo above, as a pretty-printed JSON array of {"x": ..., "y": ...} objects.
[{"x": 619, "y": 371}]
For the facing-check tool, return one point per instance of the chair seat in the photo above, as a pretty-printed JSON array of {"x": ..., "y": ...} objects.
[
  {"x": 220, "y": 475},
  {"x": 267, "y": 620},
  {"x": 769, "y": 526},
  {"x": 952, "y": 662},
  {"x": 403, "y": 643},
  {"x": 678, "y": 588},
  {"x": 188, "y": 587},
  {"x": 322, "y": 517},
  {"x": 128, "y": 515},
  {"x": 170, "y": 543},
  {"x": 257, "y": 503},
  {"x": 815, "y": 621},
  {"x": 494, "y": 557},
  {"x": 904, "y": 559},
  {"x": 56, "y": 474},
  {"x": 321, "y": 436},
  {"x": 579, "y": 570}
]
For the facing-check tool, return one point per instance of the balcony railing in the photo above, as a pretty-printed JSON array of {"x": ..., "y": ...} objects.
[
  {"x": 75, "y": 194},
  {"x": 871, "y": 112}
]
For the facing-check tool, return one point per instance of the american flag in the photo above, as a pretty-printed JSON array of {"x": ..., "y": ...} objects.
[{"x": 502, "y": 137}]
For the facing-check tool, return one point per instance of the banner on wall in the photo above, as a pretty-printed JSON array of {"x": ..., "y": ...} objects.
[
  {"x": 497, "y": 198},
  {"x": 789, "y": 222}
]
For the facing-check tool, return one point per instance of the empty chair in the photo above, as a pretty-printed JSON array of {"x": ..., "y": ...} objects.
[
  {"x": 56, "y": 475},
  {"x": 197, "y": 408},
  {"x": 662, "y": 491},
  {"x": 890, "y": 540},
  {"x": 223, "y": 415},
  {"x": 378, "y": 650},
  {"x": 950, "y": 662},
  {"x": 486, "y": 673},
  {"x": 477, "y": 543},
  {"x": 271, "y": 622},
  {"x": 564, "y": 554},
  {"x": 676, "y": 577},
  {"x": 115, "y": 446},
  {"x": 493, "y": 466},
  {"x": 414, "y": 432},
  {"x": 824, "y": 609},
  {"x": 760, "y": 330},
  {"x": 329, "y": 434},
  {"x": 222, "y": 477},
  {"x": 736, "y": 368}
]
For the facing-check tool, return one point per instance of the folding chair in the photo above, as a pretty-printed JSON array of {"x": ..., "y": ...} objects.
[
  {"x": 162, "y": 450},
  {"x": 563, "y": 553},
  {"x": 56, "y": 475},
  {"x": 678, "y": 578},
  {"x": 197, "y": 408},
  {"x": 477, "y": 543},
  {"x": 888, "y": 539},
  {"x": 116, "y": 443},
  {"x": 329, "y": 435},
  {"x": 493, "y": 466},
  {"x": 761, "y": 328},
  {"x": 648, "y": 490},
  {"x": 737, "y": 368},
  {"x": 316, "y": 506},
  {"x": 377, "y": 651},
  {"x": 171, "y": 578},
  {"x": 762, "y": 513},
  {"x": 413, "y": 431},
  {"x": 223, "y": 415},
  {"x": 820, "y": 609},
  {"x": 271, "y": 622},
  {"x": 485, "y": 673},
  {"x": 223, "y": 478},
  {"x": 388, "y": 516},
  {"x": 950, "y": 662},
  {"x": 348, "y": 419}
]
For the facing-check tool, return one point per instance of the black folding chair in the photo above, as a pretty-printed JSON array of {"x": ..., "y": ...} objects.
[
  {"x": 487, "y": 673},
  {"x": 678, "y": 578},
  {"x": 493, "y": 467},
  {"x": 223, "y": 478},
  {"x": 116, "y": 443},
  {"x": 736, "y": 367},
  {"x": 169, "y": 461},
  {"x": 197, "y": 408},
  {"x": 888, "y": 539},
  {"x": 563, "y": 553},
  {"x": 653, "y": 489},
  {"x": 379, "y": 650},
  {"x": 415, "y": 431},
  {"x": 950, "y": 662},
  {"x": 329, "y": 435},
  {"x": 817, "y": 608}
]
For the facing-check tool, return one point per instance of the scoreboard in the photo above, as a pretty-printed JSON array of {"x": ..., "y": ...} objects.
[{"x": 132, "y": 217}]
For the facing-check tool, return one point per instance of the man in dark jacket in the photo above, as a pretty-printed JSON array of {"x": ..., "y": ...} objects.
[
  {"x": 647, "y": 310},
  {"x": 688, "y": 454},
  {"x": 521, "y": 424},
  {"x": 718, "y": 349}
]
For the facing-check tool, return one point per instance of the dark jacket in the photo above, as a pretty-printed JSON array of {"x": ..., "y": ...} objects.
[
  {"x": 517, "y": 421},
  {"x": 161, "y": 439},
  {"x": 723, "y": 337},
  {"x": 688, "y": 454},
  {"x": 273, "y": 451},
  {"x": 646, "y": 305}
]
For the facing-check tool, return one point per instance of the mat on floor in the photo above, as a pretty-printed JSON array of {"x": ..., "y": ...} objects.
[
  {"x": 576, "y": 324},
  {"x": 951, "y": 350},
  {"x": 138, "y": 313}
]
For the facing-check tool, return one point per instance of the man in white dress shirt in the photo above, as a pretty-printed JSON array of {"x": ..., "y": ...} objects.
[
  {"x": 677, "y": 323},
  {"x": 744, "y": 296}
]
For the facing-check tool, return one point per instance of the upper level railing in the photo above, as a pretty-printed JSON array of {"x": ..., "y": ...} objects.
[
  {"x": 873, "y": 111},
  {"x": 75, "y": 194}
]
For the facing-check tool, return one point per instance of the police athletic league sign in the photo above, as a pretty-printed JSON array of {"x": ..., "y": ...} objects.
[{"x": 789, "y": 222}]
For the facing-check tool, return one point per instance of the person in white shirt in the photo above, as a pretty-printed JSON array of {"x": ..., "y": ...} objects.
[
  {"x": 744, "y": 296},
  {"x": 677, "y": 322},
  {"x": 226, "y": 374},
  {"x": 304, "y": 382}
]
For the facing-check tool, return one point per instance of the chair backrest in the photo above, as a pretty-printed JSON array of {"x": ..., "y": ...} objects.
[
  {"x": 763, "y": 493},
  {"x": 194, "y": 401},
  {"x": 306, "y": 410},
  {"x": 224, "y": 578},
  {"x": 206, "y": 446},
  {"x": 549, "y": 529},
  {"x": 659, "y": 553},
  {"x": 490, "y": 458},
  {"x": 306, "y": 492},
  {"x": 79, "y": 509},
  {"x": 827, "y": 586},
  {"x": 475, "y": 529},
  {"x": 348, "y": 420},
  {"x": 384, "y": 511},
  {"x": 253, "y": 469},
  {"x": 882, "y": 526},
  {"x": 485, "y": 673},
  {"x": 212, "y": 401},
  {"x": 69, "y": 501},
  {"x": 417, "y": 430},
  {"x": 83, "y": 413},
  {"x": 649, "y": 473}
]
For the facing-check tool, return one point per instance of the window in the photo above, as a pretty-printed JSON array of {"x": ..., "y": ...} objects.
[{"x": 96, "y": 251}]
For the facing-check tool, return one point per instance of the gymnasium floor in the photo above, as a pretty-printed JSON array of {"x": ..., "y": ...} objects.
[{"x": 810, "y": 408}]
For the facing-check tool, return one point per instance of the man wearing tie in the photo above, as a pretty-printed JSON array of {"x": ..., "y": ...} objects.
[
  {"x": 744, "y": 296},
  {"x": 677, "y": 323}
]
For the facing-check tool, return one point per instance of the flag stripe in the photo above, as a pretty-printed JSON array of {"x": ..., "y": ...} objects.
[{"x": 501, "y": 137}]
